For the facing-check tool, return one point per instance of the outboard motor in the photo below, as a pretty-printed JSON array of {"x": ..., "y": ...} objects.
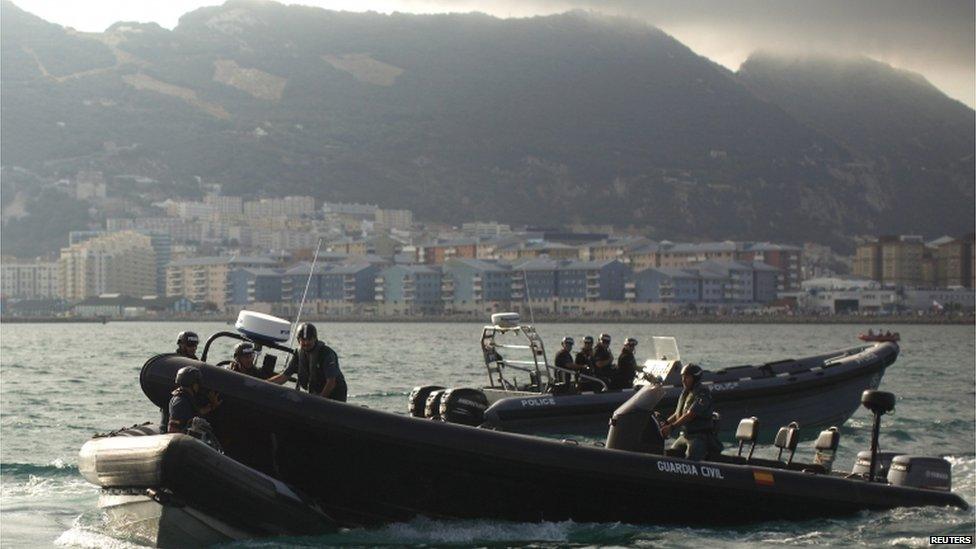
[
  {"x": 880, "y": 403},
  {"x": 432, "y": 408},
  {"x": 633, "y": 426},
  {"x": 920, "y": 472},
  {"x": 862, "y": 465},
  {"x": 463, "y": 405},
  {"x": 418, "y": 399}
]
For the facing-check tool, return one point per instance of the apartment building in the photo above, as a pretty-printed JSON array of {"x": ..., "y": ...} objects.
[
  {"x": 473, "y": 284},
  {"x": 30, "y": 280},
  {"x": 408, "y": 289},
  {"x": 122, "y": 262},
  {"x": 206, "y": 279}
]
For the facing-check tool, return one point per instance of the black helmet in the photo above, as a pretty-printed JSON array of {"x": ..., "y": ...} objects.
[
  {"x": 243, "y": 348},
  {"x": 307, "y": 331},
  {"x": 631, "y": 341},
  {"x": 187, "y": 337},
  {"x": 568, "y": 340},
  {"x": 188, "y": 375},
  {"x": 588, "y": 339},
  {"x": 693, "y": 370},
  {"x": 605, "y": 338}
]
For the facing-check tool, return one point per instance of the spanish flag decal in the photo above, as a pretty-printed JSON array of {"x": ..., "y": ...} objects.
[{"x": 763, "y": 478}]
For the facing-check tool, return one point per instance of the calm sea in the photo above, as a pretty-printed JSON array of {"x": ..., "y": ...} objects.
[{"x": 61, "y": 383}]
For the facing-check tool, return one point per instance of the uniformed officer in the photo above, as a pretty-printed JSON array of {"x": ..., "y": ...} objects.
[
  {"x": 584, "y": 358},
  {"x": 182, "y": 406},
  {"x": 317, "y": 366},
  {"x": 603, "y": 359},
  {"x": 626, "y": 367},
  {"x": 244, "y": 360},
  {"x": 186, "y": 344},
  {"x": 692, "y": 416},
  {"x": 564, "y": 358}
]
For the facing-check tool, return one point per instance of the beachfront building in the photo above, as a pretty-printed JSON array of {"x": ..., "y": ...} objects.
[
  {"x": 255, "y": 285},
  {"x": 666, "y": 285},
  {"x": 30, "y": 279},
  {"x": 122, "y": 262},
  {"x": 601, "y": 280},
  {"x": 409, "y": 289},
  {"x": 206, "y": 280},
  {"x": 475, "y": 285}
]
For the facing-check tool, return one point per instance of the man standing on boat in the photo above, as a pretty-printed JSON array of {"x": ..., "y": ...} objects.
[
  {"x": 626, "y": 369},
  {"x": 186, "y": 344},
  {"x": 603, "y": 359},
  {"x": 584, "y": 358},
  {"x": 692, "y": 415},
  {"x": 317, "y": 366},
  {"x": 564, "y": 359}
]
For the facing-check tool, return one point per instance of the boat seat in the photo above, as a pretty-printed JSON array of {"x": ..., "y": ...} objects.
[
  {"x": 787, "y": 439},
  {"x": 747, "y": 432},
  {"x": 826, "y": 449}
]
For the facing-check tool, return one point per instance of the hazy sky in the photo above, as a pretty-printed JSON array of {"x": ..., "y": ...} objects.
[{"x": 931, "y": 37}]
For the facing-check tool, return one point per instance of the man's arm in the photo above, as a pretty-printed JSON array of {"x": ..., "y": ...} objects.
[
  {"x": 330, "y": 385},
  {"x": 330, "y": 370},
  {"x": 287, "y": 373}
]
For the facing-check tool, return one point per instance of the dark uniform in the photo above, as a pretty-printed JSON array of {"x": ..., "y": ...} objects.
[
  {"x": 623, "y": 377},
  {"x": 181, "y": 412},
  {"x": 584, "y": 359},
  {"x": 315, "y": 367},
  {"x": 602, "y": 352},
  {"x": 564, "y": 359},
  {"x": 696, "y": 435}
]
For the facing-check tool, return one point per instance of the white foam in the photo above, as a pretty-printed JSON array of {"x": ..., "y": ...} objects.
[
  {"x": 423, "y": 530},
  {"x": 81, "y": 536}
]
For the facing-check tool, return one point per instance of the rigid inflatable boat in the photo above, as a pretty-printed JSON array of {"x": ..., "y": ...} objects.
[
  {"x": 385, "y": 467},
  {"x": 817, "y": 391}
]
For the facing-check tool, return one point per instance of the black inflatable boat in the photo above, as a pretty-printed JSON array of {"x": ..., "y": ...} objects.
[
  {"x": 817, "y": 391},
  {"x": 387, "y": 467},
  {"x": 172, "y": 490}
]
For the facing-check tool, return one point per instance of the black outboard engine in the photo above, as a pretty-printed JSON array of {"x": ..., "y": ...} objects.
[
  {"x": 463, "y": 405},
  {"x": 880, "y": 403},
  {"x": 633, "y": 426},
  {"x": 432, "y": 408},
  {"x": 418, "y": 399},
  {"x": 921, "y": 472},
  {"x": 862, "y": 465}
]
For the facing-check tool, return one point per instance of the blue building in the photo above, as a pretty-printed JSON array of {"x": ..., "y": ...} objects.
[
  {"x": 592, "y": 280},
  {"x": 415, "y": 287},
  {"x": 251, "y": 285},
  {"x": 474, "y": 281},
  {"x": 358, "y": 281},
  {"x": 667, "y": 285},
  {"x": 535, "y": 279}
]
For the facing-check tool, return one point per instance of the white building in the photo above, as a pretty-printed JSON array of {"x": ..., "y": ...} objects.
[
  {"x": 38, "y": 280},
  {"x": 289, "y": 206}
]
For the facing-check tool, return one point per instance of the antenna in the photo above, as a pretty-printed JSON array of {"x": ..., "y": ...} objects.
[
  {"x": 305, "y": 293},
  {"x": 528, "y": 298}
]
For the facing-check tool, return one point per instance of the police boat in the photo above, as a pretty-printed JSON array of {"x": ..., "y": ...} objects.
[
  {"x": 185, "y": 490},
  {"x": 363, "y": 467},
  {"x": 526, "y": 393}
]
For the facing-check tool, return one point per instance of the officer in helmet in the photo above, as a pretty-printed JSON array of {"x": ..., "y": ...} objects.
[
  {"x": 603, "y": 359},
  {"x": 182, "y": 406},
  {"x": 626, "y": 367},
  {"x": 692, "y": 416},
  {"x": 584, "y": 358},
  {"x": 564, "y": 358},
  {"x": 243, "y": 362},
  {"x": 186, "y": 344},
  {"x": 317, "y": 366}
]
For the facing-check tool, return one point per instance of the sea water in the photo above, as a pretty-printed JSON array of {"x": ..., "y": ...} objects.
[{"x": 61, "y": 383}]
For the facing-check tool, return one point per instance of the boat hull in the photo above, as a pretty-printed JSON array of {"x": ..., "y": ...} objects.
[
  {"x": 368, "y": 467},
  {"x": 174, "y": 491},
  {"x": 805, "y": 391}
]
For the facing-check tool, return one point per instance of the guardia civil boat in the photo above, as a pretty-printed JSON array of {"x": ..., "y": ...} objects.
[
  {"x": 270, "y": 443},
  {"x": 526, "y": 393}
]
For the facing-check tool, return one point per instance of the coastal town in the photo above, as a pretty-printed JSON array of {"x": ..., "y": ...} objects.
[{"x": 213, "y": 256}]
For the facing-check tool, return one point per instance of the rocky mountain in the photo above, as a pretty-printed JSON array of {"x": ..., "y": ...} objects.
[{"x": 547, "y": 120}]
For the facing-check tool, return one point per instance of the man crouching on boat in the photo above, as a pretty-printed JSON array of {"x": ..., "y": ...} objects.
[
  {"x": 182, "y": 407},
  {"x": 693, "y": 416},
  {"x": 317, "y": 366}
]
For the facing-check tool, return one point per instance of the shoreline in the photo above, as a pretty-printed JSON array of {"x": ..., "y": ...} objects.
[{"x": 871, "y": 321}]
